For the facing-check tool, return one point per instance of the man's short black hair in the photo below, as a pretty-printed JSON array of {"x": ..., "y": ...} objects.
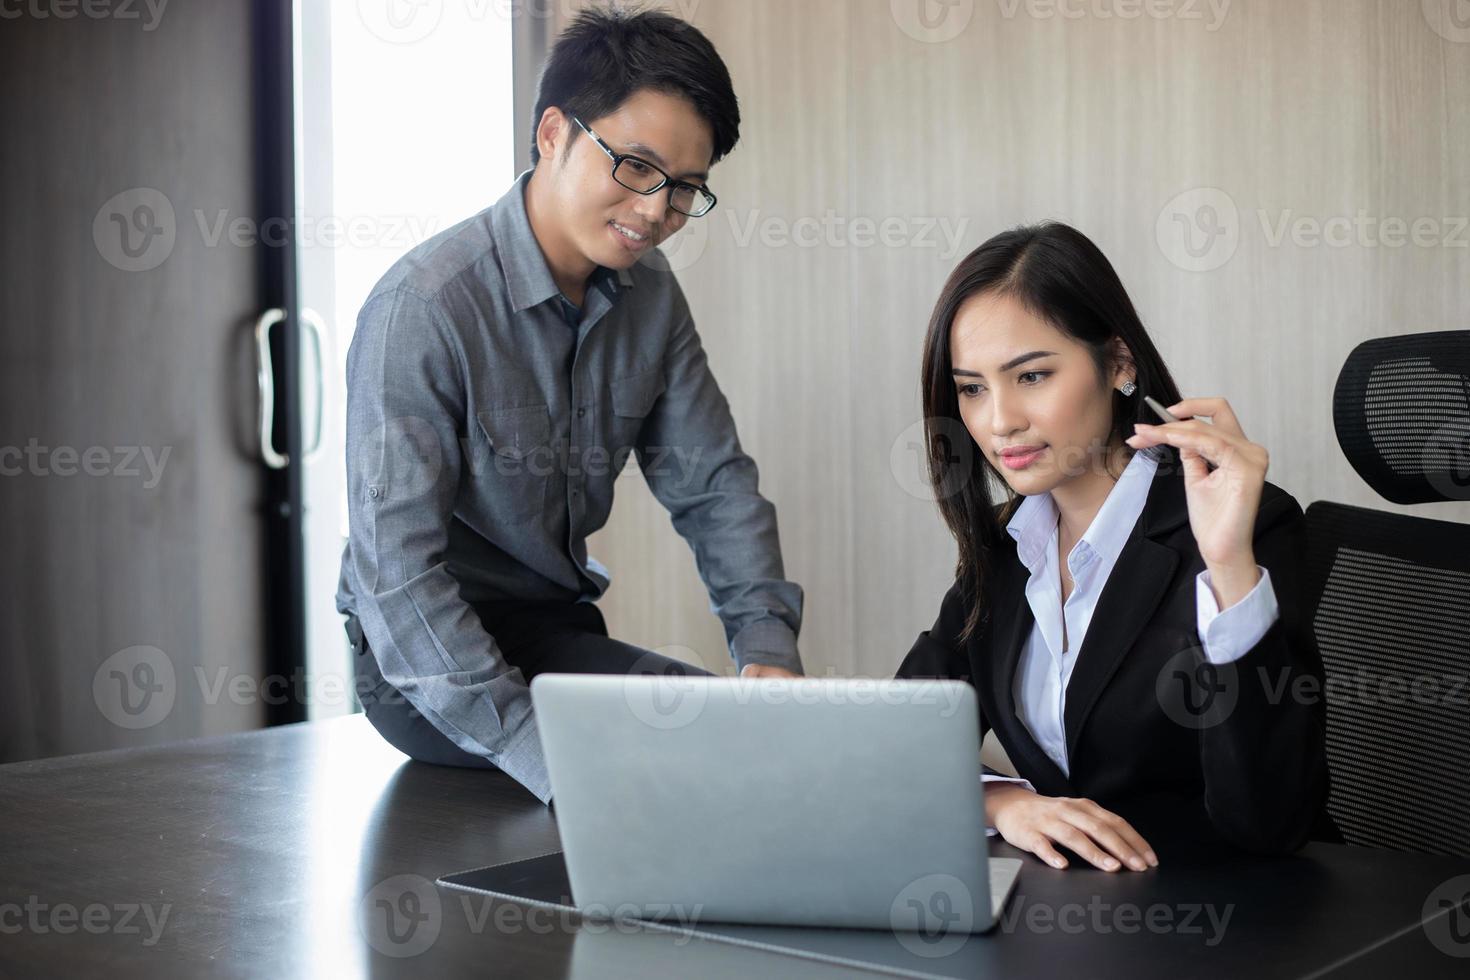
[{"x": 605, "y": 55}]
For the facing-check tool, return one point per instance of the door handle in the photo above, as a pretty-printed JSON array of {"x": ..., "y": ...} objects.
[{"x": 265, "y": 377}]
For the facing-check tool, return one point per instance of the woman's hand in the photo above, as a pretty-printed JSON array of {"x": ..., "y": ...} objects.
[
  {"x": 1035, "y": 823},
  {"x": 1222, "y": 502}
]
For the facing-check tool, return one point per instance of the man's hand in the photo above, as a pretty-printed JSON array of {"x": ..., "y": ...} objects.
[
  {"x": 1035, "y": 823},
  {"x": 766, "y": 670}
]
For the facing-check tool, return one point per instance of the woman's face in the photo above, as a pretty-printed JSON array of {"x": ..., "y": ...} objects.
[{"x": 1025, "y": 386}]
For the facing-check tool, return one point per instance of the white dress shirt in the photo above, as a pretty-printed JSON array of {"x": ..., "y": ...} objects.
[{"x": 1040, "y": 688}]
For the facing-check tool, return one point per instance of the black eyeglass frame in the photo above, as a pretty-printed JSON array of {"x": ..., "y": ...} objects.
[{"x": 618, "y": 158}]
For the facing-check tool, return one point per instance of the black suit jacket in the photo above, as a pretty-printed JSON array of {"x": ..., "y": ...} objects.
[{"x": 1177, "y": 747}]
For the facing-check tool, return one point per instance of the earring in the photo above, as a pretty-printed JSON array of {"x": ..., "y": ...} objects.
[{"x": 1128, "y": 388}]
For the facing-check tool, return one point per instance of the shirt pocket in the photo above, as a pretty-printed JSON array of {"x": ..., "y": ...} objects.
[
  {"x": 518, "y": 468},
  {"x": 633, "y": 398}
]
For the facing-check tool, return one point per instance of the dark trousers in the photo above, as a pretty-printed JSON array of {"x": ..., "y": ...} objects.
[{"x": 537, "y": 637}]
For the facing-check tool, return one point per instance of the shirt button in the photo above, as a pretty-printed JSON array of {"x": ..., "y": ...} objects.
[
  {"x": 373, "y": 493},
  {"x": 581, "y": 412}
]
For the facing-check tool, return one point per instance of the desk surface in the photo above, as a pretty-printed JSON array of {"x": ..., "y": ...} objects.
[{"x": 253, "y": 854}]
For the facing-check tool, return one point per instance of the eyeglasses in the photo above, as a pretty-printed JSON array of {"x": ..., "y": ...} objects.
[{"x": 642, "y": 177}]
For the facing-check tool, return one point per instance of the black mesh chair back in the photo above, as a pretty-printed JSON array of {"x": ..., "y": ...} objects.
[
  {"x": 1392, "y": 622},
  {"x": 1390, "y": 600}
]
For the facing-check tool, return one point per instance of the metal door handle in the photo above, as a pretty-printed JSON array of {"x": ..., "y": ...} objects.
[{"x": 265, "y": 377}]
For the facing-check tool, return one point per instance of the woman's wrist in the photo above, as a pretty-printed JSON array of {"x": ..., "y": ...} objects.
[
  {"x": 1233, "y": 580},
  {"x": 1000, "y": 795}
]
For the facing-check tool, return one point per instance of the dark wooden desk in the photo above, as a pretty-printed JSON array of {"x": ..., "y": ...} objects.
[{"x": 251, "y": 855}]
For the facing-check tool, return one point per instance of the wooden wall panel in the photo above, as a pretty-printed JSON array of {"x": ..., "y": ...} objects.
[{"x": 1297, "y": 112}]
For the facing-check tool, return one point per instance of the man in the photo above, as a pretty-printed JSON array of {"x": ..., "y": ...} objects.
[{"x": 500, "y": 375}]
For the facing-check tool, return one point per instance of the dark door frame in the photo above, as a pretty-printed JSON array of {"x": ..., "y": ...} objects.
[{"x": 285, "y": 558}]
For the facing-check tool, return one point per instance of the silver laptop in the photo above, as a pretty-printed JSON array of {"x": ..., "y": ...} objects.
[{"x": 812, "y": 802}]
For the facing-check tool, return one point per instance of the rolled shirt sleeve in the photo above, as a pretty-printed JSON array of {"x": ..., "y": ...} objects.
[{"x": 1230, "y": 634}]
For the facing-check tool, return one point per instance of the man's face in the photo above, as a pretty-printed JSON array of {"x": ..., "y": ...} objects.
[{"x": 609, "y": 224}]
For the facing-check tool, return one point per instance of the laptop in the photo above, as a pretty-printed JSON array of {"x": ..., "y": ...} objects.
[{"x": 845, "y": 803}]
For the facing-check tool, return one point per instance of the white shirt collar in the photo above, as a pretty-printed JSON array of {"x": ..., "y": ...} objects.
[{"x": 1034, "y": 524}]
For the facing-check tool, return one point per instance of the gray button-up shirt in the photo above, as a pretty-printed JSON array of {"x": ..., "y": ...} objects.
[{"x": 484, "y": 438}]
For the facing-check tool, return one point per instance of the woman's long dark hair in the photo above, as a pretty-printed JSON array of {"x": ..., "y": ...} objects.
[{"x": 1057, "y": 273}]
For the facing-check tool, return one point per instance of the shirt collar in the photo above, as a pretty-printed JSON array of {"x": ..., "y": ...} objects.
[
  {"x": 527, "y": 277},
  {"x": 1035, "y": 522},
  {"x": 603, "y": 281}
]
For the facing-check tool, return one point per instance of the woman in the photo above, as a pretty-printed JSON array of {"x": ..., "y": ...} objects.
[{"x": 1126, "y": 609}]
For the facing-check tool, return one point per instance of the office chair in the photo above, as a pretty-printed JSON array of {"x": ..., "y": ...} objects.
[{"x": 1390, "y": 599}]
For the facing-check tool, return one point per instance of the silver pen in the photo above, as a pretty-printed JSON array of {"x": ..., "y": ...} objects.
[
  {"x": 1169, "y": 416},
  {"x": 1160, "y": 410}
]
